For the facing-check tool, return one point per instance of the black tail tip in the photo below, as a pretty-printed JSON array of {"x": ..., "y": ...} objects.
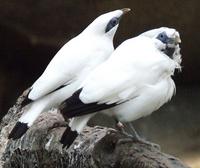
[
  {"x": 18, "y": 130},
  {"x": 68, "y": 137}
]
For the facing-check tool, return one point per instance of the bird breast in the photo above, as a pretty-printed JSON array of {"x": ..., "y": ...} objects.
[{"x": 150, "y": 98}]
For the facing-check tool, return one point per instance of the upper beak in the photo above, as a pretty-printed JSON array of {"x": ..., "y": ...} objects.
[
  {"x": 125, "y": 10},
  {"x": 174, "y": 40},
  {"x": 177, "y": 39}
]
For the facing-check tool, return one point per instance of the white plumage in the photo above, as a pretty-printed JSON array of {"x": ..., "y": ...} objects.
[
  {"x": 132, "y": 68},
  {"x": 136, "y": 79},
  {"x": 70, "y": 66}
]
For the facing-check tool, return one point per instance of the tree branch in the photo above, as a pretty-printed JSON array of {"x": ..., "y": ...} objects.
[{"x": 95, "y": 147}]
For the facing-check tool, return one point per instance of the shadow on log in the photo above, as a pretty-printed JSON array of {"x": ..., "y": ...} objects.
[{"x": 96, "y": 147}]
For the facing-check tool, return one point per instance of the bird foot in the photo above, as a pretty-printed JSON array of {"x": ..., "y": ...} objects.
[
  {"x": 143, "y": 141},
  {"x": 124, "y": 141},
  {"x": 130, "y": 138}
]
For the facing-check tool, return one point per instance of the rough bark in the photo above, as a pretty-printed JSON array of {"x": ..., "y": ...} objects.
[{"x": 96, "y": 147}]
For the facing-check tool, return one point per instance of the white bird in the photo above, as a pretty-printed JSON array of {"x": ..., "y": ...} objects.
[
  {"x": 132, "y": 83},
  {"x": 69, "y": 67}
]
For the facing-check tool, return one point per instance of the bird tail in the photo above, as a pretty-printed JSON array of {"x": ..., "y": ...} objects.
[
  {"x": 76, "y": 126},
  {"x": 33, "y": 110},
  {"x": 27, "y": 119},
  {"x": 18, "y": 130},
  {"x": 68, "y": 137}
]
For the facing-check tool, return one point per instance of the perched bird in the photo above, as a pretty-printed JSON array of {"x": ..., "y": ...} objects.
[
  {"x": 132, "y": 83},
  {"x": 69, "y": 67}
]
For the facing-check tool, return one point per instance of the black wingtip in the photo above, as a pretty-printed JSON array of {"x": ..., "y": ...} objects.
[
  {"x": 26, "y": 102},
  {"x": 18, "y": 130},
  {"x": 73, "y": 106},
  {"x": 68, "y": 137}
]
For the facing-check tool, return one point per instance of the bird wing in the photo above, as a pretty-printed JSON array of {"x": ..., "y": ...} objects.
[
  {"x": 61, "y": 71},
  {"x": 117, "y": 80},
  {"x": 100, "y": 92}
]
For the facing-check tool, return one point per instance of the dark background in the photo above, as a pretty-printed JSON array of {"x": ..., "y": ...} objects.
[{"x": 31, "y": 32}]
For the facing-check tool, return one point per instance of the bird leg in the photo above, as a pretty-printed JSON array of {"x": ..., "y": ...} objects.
[
  {"x": 133, "y": 134},
  {"x": 120, "y": 127},
  {"x": 133, "y": 137},
  {"x": 137, "y": 138}
]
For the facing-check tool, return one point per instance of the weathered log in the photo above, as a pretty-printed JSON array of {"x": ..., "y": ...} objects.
[{"x": 96, "y": 147}]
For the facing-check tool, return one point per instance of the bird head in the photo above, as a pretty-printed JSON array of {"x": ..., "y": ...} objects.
[
  {"x": 107, "y": 24},
  {"x": 167, "y": 40}
]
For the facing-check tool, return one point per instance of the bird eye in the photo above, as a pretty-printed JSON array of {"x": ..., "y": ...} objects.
[
  {"x": 163, "y": 37},
  {"x": 112, "y": 23}
]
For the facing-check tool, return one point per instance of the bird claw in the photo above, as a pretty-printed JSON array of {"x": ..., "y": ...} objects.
[
  {"x": 130, "y": 138},
  {"x": 150, "y": 144},
  {"x": 143, "y": 141},
  {"x": 133, "y": 137},
  {"x": 124, "y": 140}
]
